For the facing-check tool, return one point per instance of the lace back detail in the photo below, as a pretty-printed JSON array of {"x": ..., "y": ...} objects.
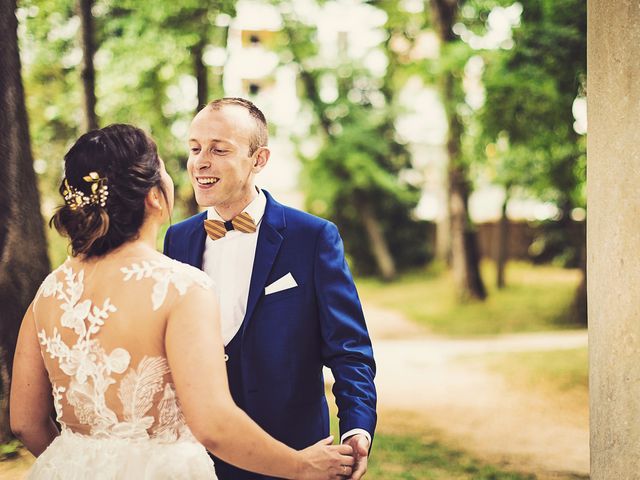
[{"x": 146, "y": 405}]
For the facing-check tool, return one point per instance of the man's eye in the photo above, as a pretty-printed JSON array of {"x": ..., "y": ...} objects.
[
  {"x": 194, "y": 150},
  {"x": 218, "y": 151}
]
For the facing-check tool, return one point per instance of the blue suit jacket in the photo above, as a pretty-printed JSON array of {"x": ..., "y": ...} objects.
[{"x": 288, "y": 336}]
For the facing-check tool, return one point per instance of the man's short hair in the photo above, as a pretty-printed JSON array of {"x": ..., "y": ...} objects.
[{"x": 260, "y": 137}]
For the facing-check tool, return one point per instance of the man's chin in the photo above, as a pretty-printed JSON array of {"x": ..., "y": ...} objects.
[{"x": 205, "y": 201}]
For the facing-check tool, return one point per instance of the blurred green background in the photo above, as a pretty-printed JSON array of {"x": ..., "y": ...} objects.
[{"x": 446, "y": 139}]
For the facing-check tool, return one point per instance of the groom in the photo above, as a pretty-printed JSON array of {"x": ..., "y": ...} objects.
[{"x": 287, "y": 299}]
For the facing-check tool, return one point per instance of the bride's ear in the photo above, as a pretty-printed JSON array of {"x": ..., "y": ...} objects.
[{"x": 153, "y": 202}]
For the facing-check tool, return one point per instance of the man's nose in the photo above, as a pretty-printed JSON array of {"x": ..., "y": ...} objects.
[{"x": 202, "y": 161}]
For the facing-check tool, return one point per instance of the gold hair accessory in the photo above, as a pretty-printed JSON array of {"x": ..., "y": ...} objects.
[{"x": 75, "y": 198}]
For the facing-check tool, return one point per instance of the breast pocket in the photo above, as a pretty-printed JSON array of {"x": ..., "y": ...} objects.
[{"x": 297, "y": 291}]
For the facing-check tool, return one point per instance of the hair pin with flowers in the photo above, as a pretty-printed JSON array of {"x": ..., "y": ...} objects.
[{"x": 75, "y": 198}]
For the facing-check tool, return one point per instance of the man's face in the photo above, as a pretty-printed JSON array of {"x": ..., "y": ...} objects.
[{"x": 220, "y": 167}]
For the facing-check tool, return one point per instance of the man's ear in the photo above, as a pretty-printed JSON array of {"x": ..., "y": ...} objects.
[
  {"x": 261, "y": 157},
  {"x": 153, "y": 200}
]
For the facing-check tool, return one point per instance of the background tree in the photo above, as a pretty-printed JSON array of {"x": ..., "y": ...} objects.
[
  {"x": 528, "y": 118},
  {"x": 22, "y": 241},
  {"x": 465, "y": 256},
  {"x": 149, "y": 68},
  {"x": 88, "y": 70},
  {"x": 163, "y": 48},
  {"x": 355, "y": 177}
]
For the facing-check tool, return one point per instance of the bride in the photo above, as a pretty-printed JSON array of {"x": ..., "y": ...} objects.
[{"x": 124, "y": 344}]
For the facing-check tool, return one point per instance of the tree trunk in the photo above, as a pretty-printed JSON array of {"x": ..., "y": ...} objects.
[
  {"x": 502, "y": 254},
  {"x": 5, "y": 383},
  {"x": 23, "y": 247},
  {"x": 379, "y": 247},
  {"x": 88, "y": 70},
  {"x": 202, "y": 78},
  {"x": 443, "y": 13},
  {"x": 465, "y": 259},
  {"x": 443, "y": 240},
  {"x": 200, "y": 71}
]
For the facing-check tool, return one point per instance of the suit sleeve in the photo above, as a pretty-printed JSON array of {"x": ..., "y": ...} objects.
[{"x": 346, "y": 346}]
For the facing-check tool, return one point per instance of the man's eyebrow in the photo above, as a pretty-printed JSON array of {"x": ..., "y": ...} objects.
[{"x": 210, "y": 140}]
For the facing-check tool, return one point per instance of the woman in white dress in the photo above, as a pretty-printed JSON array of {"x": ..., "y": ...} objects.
[{"x": 124, "y": 344}]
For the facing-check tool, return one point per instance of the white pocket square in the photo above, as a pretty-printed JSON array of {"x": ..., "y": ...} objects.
[{"x": 283, "y": 283}]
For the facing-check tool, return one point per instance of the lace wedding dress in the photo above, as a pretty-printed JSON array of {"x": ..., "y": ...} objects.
[{"x": 101, "y": 330}]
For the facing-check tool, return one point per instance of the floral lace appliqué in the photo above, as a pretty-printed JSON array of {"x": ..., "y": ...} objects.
[
  {"x": 166, "y": 273},
  {"x": 91, "y": 368}
]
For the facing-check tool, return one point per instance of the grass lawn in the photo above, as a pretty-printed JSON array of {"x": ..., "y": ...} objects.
[
  {"x": 401, "y": 452},
  {"x": 536, "y": 299},
  {"x": 411, "y": 457},
  {"x": 563, "y": 372},
  {"x": 404, "y": 450}
]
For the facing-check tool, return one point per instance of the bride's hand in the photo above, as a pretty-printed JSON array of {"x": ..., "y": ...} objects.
[{"x": 324, "y": 461}]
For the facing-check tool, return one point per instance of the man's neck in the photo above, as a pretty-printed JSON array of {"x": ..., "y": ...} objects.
[{"x": 228, "y": 212}]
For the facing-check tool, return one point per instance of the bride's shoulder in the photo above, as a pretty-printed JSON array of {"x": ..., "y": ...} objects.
[
  {"x": 52, "y": 282},
  {"x": 188, "y": 272},
  {"x": 167, "y": 275},
  {"x": 165, "y": 270}
]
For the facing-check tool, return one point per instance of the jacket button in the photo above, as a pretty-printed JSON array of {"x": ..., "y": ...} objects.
[{"x": 226, "y": 357}]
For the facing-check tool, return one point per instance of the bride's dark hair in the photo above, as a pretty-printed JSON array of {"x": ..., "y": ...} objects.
[{"x": 125, "y": 159}]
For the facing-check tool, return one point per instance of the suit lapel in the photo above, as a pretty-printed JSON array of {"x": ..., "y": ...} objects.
[
  {"x": 196, "y": 241},
  {"x": 269, "y": 242}
]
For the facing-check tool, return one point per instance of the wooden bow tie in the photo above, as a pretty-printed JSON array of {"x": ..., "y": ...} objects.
[{"x": 217, "y": 229}]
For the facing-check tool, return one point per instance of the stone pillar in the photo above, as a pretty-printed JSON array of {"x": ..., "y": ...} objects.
[{"x": 613, "y": 236}]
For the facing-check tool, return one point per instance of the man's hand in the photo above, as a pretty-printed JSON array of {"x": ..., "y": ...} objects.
[
  {"x": 326, "y": 461},
  {"x": 360, "y": 445}
]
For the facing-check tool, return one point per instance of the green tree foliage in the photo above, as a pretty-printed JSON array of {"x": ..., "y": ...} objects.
[
  {"x": 144, "y": 75},
  {"x": 530, "y": 91},
  {"x": 528, "y": 122},
  {"x": 355, "y": 179},
  {"x": 355, "y": 175}
]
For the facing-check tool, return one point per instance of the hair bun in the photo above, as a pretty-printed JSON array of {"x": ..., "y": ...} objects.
[
  {"x": 108, "y": 174},
  {"x": 86, "y": 227}
]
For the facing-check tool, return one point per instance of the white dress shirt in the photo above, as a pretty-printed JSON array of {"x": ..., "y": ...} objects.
[{"x": 229, "y": 262}]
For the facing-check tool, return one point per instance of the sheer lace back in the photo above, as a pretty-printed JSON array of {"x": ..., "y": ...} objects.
[{"x": 101, "y": 329}]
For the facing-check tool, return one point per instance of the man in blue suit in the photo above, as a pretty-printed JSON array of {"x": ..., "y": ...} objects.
[{"x": 288, "y": 301}]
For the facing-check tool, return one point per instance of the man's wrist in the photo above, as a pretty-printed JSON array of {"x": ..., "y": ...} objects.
[{"x": 355, "y": 431}]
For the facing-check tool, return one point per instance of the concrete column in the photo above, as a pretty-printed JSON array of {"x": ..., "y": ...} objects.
[{"x": 613, "y": 237}]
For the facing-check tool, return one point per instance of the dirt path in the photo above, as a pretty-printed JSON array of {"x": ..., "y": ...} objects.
[{"x": 432, "y": 378}]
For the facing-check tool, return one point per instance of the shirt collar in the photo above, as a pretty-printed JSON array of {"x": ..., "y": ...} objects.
[{"x": 256, "y": 208}]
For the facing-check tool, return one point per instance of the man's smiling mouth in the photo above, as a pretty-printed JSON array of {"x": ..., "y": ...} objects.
[{"x": 207, "y": 180}]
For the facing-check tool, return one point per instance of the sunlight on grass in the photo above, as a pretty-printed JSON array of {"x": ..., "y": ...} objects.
[
  {"x": 413, "y": 458},
  {"x": 399, "y": 454},
  {"x": 16, "y": 465},
  {"x": 536, "y": 298},
  {"x": 404, "y": 449},
  {"x": 558, "y": 370}
]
